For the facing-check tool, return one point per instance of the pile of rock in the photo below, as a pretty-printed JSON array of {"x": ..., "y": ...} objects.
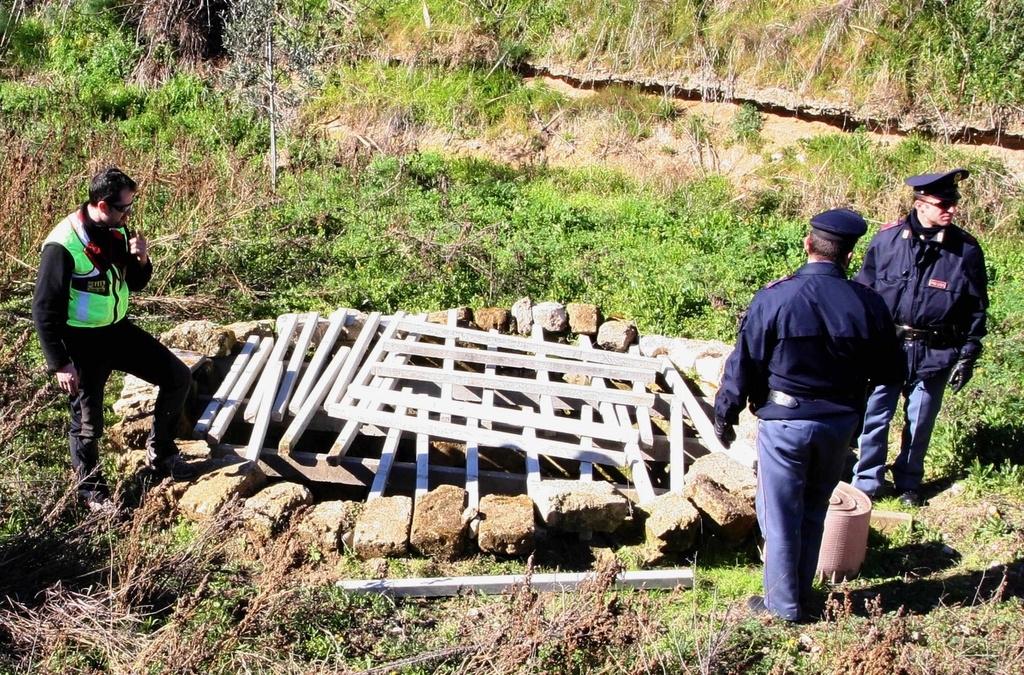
[
  {"x": 718, "y": 499},
  {"x": 553, "y": 317}
]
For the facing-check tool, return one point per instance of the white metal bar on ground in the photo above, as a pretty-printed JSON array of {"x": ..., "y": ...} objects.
[
  {"x": 532, "y": 462},
  {"x": 486, "y": 437},
  {"x": 525, "y": 345},
  {"x": 241, "y": 388},
  {"x": 635, "y": 460},
  {"x": 546, "y": 408},
  {"x": 607, "y": 410},
  {"x": 448, "y": 364},
  {"x": 643, "y": 413},
  {"x": 387, "y": 460},
  {"x": 697, "y": 415},
  {"x": 490, "y": 413},
  {"x": 311, "y": 376},
  {"x": 422, "y": 458},
  {"x": 285, "y": 327},
  {"x": 290, "y": 379},
  {"x": 551, "y": 582},
  {"x": 586, "y": 442},
  {"x": 273, "y": 373},
  {"x": 313, "y": 402},
  {"x": 472, "y": 468},
  {"x": 224, "y": 390},
  {"x": 363, "y": 377},
  {"x": 518, "y": 384},
  {"x": 676, "y": 439},
  {"x": 512, "y": 360},
  {"x": 487, "y": 395},
  {"x": 355, "y": 358}
]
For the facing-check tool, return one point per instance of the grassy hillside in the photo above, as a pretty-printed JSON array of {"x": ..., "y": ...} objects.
[{"x": 375, "y": 209}]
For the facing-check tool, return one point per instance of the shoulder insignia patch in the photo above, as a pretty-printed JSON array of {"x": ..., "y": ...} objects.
[{"x": 778, "y": 281}]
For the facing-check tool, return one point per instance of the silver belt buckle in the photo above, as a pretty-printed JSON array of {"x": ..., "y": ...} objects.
[{"x": 783, "y": 399}]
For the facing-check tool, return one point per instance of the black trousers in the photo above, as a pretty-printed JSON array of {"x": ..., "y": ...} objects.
[{"x": 97, "y": 352}]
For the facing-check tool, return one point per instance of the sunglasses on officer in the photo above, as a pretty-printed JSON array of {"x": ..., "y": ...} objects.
[{"x": 941, "y": 204}]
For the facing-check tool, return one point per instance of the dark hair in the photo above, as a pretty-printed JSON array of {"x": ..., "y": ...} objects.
[
  {"x": 831, "y": 249},
  {"x": 107, "y": 185}
]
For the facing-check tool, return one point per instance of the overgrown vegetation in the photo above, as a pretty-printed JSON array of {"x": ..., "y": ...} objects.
[{"x": 366, "y": 218}]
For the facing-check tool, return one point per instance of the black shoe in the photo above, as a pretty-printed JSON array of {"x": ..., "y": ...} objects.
[
  {"x": 756, "y": 606},
  {"x": 171, "y": 465},
  {"x": 910, "y": 498}
]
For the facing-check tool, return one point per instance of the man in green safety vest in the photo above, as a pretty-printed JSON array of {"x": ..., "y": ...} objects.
[{"x": 90, "y": 263}]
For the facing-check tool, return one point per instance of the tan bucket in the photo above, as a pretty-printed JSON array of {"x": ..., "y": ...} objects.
[{"x": 845, "y": 539}]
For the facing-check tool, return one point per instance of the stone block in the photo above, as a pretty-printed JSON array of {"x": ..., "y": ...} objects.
[
  {"x": 382, "y": 528},
  {"x": 577, "y": 506},
  {"x": 210, "y": 492},
  {"x": 506, "y": 525},
  {"x": 584, "y": 319},
  {"x": 327, "y": 523},
  {"x": 731, "y": 514},
  {"x": 551, "y": 316},
  {"x": 268, "y": 511},
  {"x": 522, "y": 312},
  {"x": 493, "y": 318},
  {"x": 672, "y": 524},
  {"x": 727, "y": 472},
  {"x": 204, "y": 337},
  {"x": 616, "y": 335},
  {"x": 242, "y": 330},
  {"x": 438, "y": 529},
  {"x": 463, "y": 316}
]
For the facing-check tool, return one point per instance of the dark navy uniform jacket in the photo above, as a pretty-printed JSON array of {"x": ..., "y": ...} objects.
[
  {"x": 938, "y": 284},
  {"x": 816, "y": 336}
]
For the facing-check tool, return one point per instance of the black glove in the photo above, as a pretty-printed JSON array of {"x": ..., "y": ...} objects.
[
  {"x": 960, "y": 376},
  {"x": 724, "y": 431}
]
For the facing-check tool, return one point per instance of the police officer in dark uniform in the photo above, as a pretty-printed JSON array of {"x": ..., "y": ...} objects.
[
  {"x": 90, "y": 262},
  {"x": 807, "y": 349},
  {"x": 932, "y": 277}
]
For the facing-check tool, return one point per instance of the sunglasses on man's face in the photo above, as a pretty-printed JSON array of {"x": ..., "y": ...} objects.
[
  {"x": 121, "y": 208},
  {"x": 942, "y": 204}
]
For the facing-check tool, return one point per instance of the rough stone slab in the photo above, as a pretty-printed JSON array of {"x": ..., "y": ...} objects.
[
  {"x": 616, "y": 335},
  {"x": 731, "y": 514},
  {"x": 506, "y": 525},
  {"x": 493, "y": 318},
  {"x": 213, "y": 490},
  {"x": 463, "y": 316},
  {"x": 890, "y": 521},
  {"x": 438, "y": 529},
  {"x": 267, "y": 511},
  {"x": 204, "y": 337},
  {"x": 522, "y": 312},
  {"x": 577, "y": 506},
  {"x": 673, "y": 523},
  {"x": 243, "y": 329},
  {"x": 727, "y": 472},
  {"x": 551, "y": 316},
  {"x": 584, "y": 319},
  {"x": 382, "y": 528},
  {"x": 327, "y": 523}
]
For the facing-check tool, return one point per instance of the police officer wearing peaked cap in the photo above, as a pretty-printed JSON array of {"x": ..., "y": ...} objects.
[
  {"x": 808, "y": 346},
  {"x": 90, "y": 263},
  {"x": 932, "y": 277}
]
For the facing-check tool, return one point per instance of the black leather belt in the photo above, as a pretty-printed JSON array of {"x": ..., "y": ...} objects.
[
  {"x": 940, "y": 337},
  {"x": 788, "y": 401}
]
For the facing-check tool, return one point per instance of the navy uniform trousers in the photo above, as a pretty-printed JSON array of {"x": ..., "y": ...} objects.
[
  {"x": 96, "y": 353},
  {"x": 922, "y": 402},
  {"x": 799, "y": 465}
]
